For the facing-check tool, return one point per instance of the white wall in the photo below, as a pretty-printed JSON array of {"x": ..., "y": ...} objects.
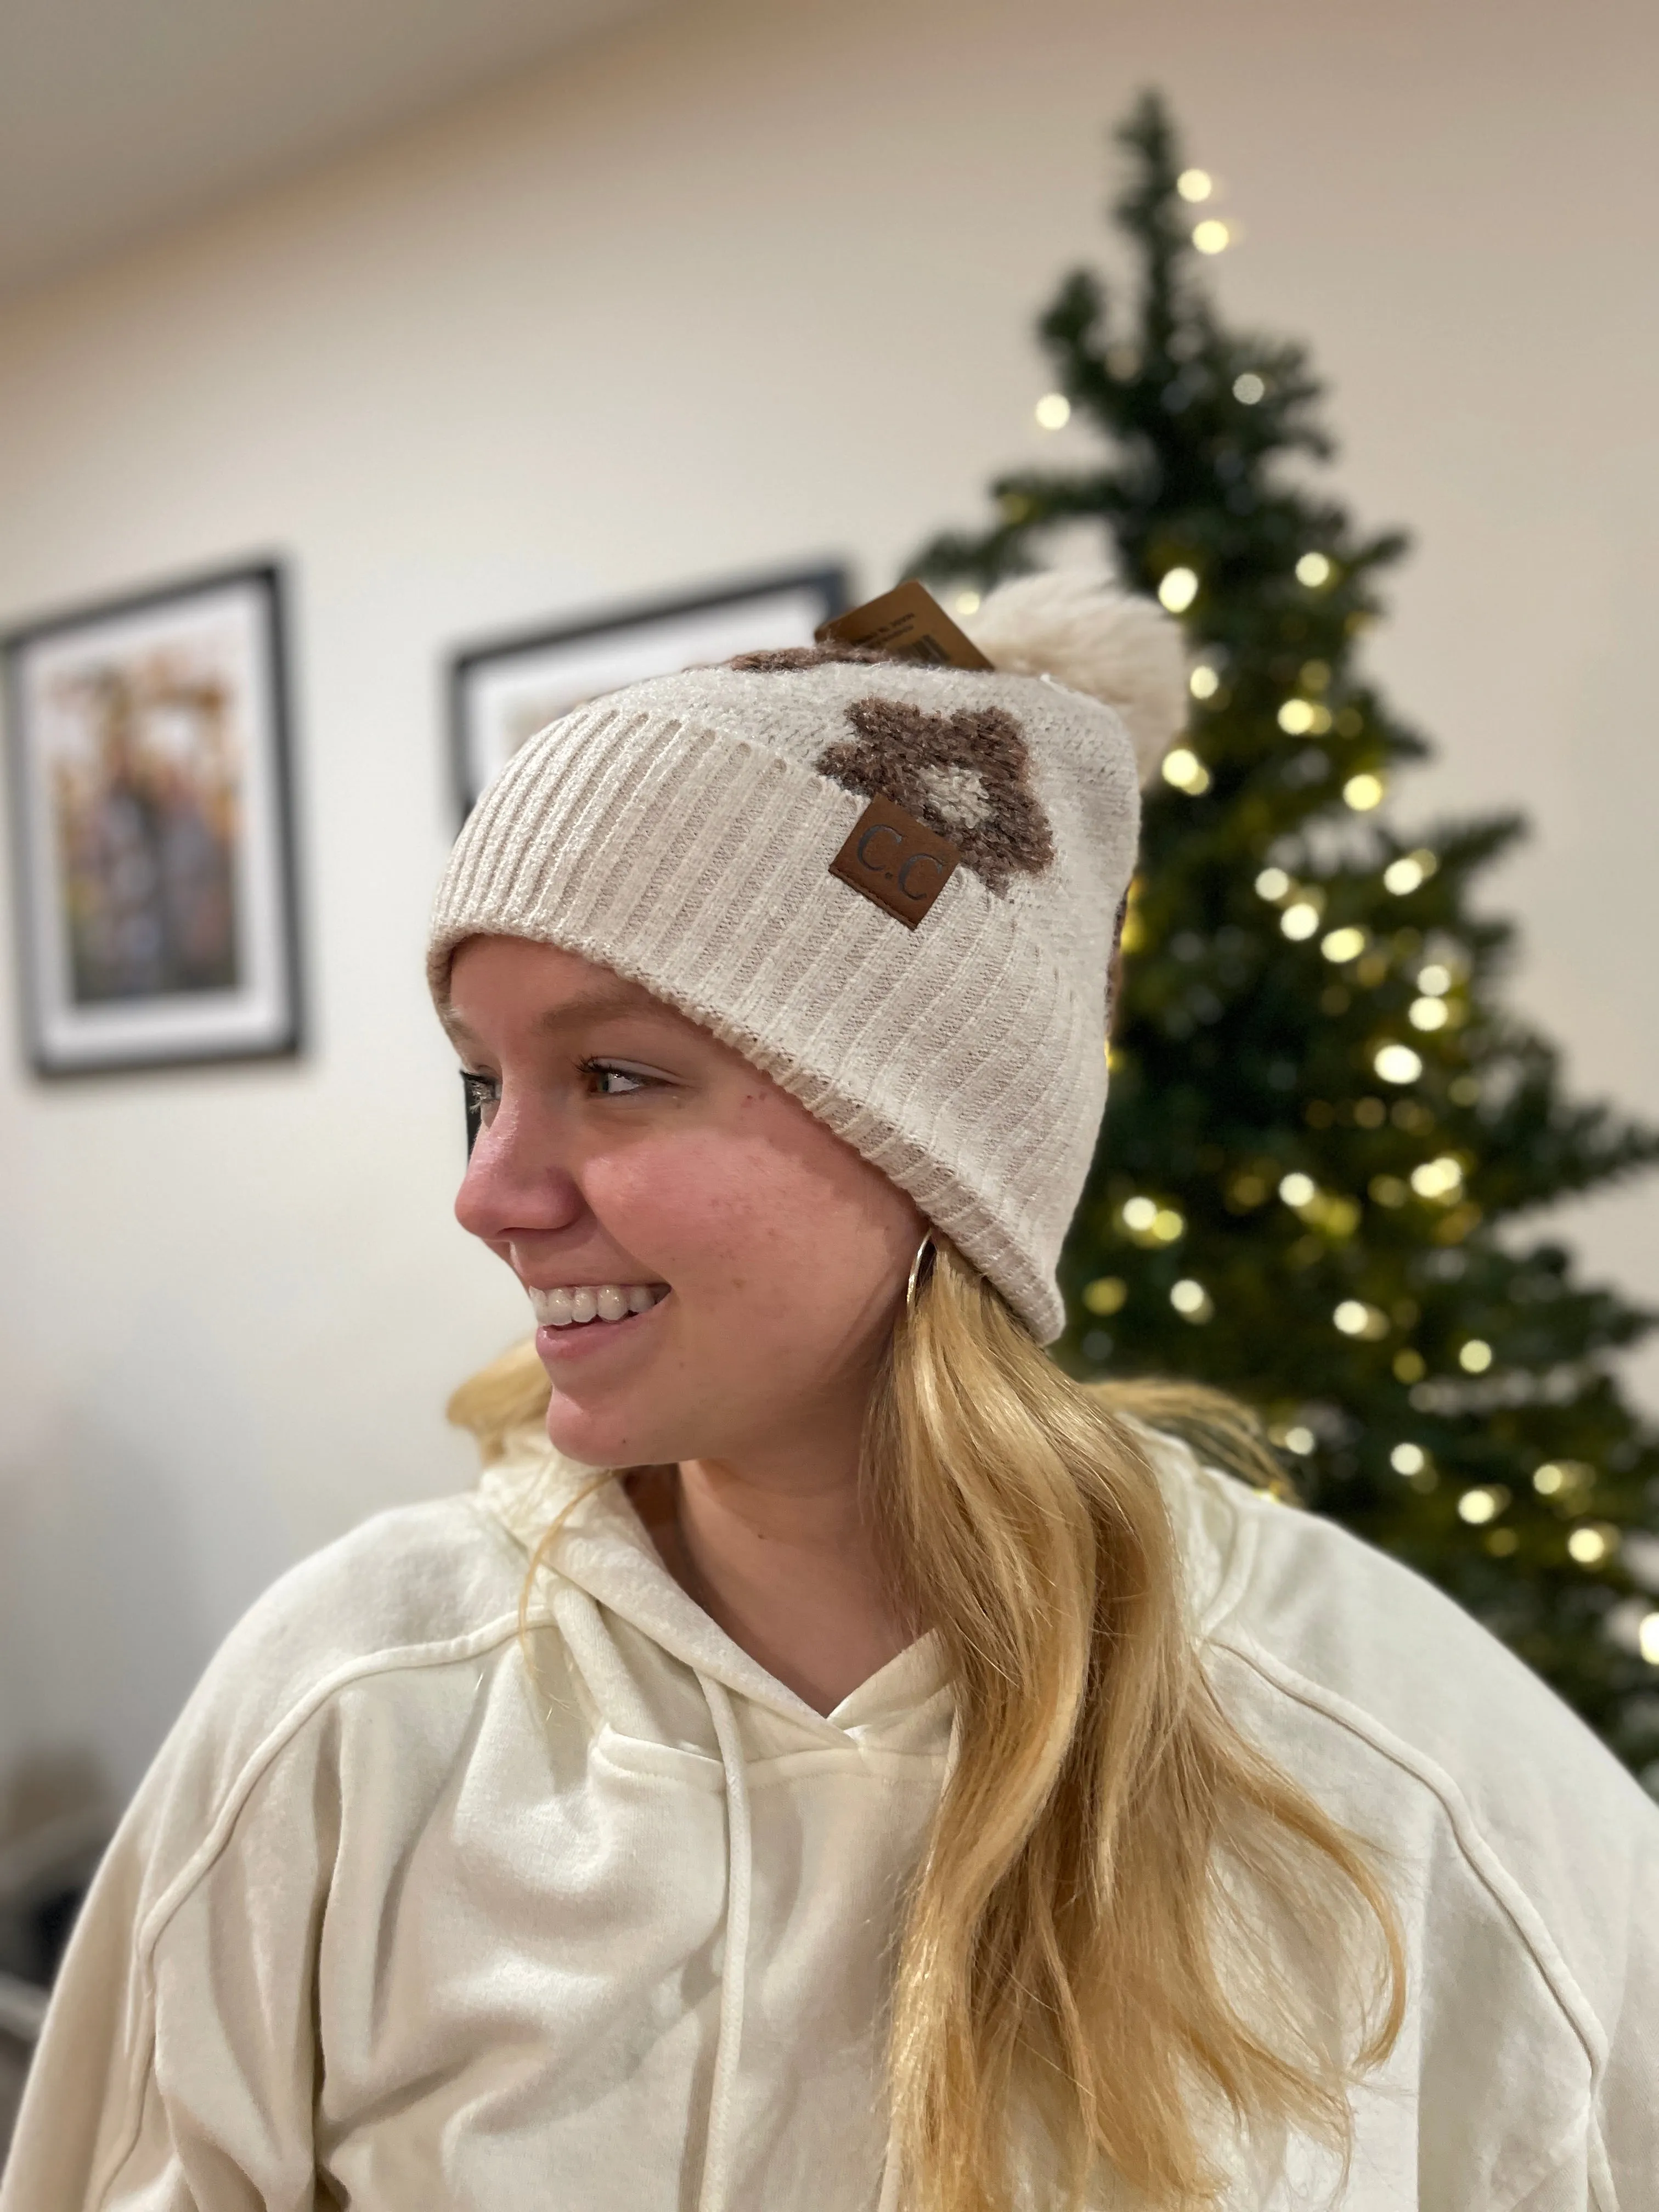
[{"x": 746, "y": 283}]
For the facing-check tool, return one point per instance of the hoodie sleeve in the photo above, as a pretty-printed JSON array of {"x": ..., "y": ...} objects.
[
  {"x": 178, "y": 2065},
  {"x": 178, "y": 2068}
]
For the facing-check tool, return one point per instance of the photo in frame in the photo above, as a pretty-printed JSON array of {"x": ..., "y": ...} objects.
[
  {"x": 502, "y": 693},
  {"x": 152, "y": 828}
]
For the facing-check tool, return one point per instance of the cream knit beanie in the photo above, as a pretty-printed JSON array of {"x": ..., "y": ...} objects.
[{"x": 893, "y": 887}]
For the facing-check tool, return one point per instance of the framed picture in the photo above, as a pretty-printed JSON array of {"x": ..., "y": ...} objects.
[
  {"x": 151, "y": 819},
  {"x": 501, "y": 694}
]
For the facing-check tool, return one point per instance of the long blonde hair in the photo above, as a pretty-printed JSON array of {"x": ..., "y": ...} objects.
[{"x": 1129, "y": 1929}]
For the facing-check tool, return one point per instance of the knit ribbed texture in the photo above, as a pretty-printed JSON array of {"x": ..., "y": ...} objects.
[{"x": 679, "y": 833}]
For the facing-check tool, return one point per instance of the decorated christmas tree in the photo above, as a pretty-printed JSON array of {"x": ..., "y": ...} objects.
[{"x": 1327, "y": 1132}]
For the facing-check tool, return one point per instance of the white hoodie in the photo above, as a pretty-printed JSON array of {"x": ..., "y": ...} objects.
[{"x": 394, "y": 1923}]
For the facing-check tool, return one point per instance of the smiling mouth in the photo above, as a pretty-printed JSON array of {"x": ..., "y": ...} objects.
[{"x": 573, "y": 1305}]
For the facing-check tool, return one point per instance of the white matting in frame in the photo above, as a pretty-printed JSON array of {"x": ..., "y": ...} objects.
[
  {"x": 151, "y": 823},
  {"x": 502, "y": 694}
]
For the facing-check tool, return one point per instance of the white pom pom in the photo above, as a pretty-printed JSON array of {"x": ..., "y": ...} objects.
[{"x": 1079, "y": 627}]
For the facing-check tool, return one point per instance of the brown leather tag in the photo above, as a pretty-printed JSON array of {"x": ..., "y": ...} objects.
[
  {"x": 909, "y": 624},
  {"x": 895, "y": 860}
]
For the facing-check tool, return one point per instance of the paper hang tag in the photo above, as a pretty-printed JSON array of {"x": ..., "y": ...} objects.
[
  {"x": 895, "y": 860},
  {"x": 909, "y": 624}
]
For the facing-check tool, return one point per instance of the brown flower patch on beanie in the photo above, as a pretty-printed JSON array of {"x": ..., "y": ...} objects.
[{"x": 963, "y": 775}]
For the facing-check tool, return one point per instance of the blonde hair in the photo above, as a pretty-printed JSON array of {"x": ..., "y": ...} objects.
[{"x": 1128, "y": 1928}]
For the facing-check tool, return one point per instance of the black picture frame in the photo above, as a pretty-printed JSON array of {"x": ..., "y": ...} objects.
[
  {"x": 149, "y": 742},
  {"x": 504, "y": 689}
]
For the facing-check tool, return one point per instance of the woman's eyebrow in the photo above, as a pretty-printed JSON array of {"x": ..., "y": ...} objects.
[{"x": 603, "y": 1003}]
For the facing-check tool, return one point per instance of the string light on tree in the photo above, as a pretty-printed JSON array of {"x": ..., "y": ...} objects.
[
  {"x": 1203, "y": 683},
  {"x": 1212, "y": 235},
  {"x": 1300, "y": 920},
  {"x": 1183, "y": 768},
  {"x": 1248, "y": 388},
  {"x": 1397, "y": 1063},
  {"x": 1442, "y": 1178},
  {"x": 1178, "y": 589},
  {"x": 1362, "y": 792},
  {"x": 1409, "y": 872},
  {"x": 1053, "y": 410},
  {"x": 1483, "y": 1505},
  {"x": 1589, "y": 1546},
  {"x": 1195, "y": 185},
  {"x": 1314, "y": 569}
]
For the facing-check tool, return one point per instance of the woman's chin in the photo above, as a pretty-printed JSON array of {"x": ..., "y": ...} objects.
[{"x": 600, "y": 1435}]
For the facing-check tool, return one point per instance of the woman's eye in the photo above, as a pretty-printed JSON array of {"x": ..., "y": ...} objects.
[
  {"x": 609, "y": 1081},
  {"x": 481, "y": 1094}
]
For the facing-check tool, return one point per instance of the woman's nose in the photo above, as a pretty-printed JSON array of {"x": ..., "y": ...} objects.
[{"x": 517, "y": 1179}]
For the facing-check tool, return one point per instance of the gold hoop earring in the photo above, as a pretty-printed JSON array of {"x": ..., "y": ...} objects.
[{"x": 914, "y": 1283}]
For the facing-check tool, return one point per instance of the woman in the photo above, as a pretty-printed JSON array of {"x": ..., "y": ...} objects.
[{"x": 834, "y": 1760}]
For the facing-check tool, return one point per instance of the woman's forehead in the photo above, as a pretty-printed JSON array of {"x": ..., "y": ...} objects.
[{"x": 548, "y": 983}]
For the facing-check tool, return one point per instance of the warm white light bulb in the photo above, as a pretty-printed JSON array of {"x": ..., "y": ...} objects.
[
  {"x": 1340, "y": 944},
  {"x": 1195, "y": 185},
  {"x": 1178, "y": 589},
  {"x": 1300, "y": 920},
  {"x": 1211, "y": 235},
  {"x": 1183, "y": 768},
  {"x": 1402, "y": 876},
  {"x": 1054, "y": 411},
  {"x": 1397, "y": 1063}
]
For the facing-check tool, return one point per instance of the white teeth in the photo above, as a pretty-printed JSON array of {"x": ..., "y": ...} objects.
[{"x": 562, "y": 1307}]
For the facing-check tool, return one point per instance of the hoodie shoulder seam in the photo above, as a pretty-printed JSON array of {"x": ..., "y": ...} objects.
[
  {"x": 392, "y": 1659},
  {"x": 1484, "y": 1864}
]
